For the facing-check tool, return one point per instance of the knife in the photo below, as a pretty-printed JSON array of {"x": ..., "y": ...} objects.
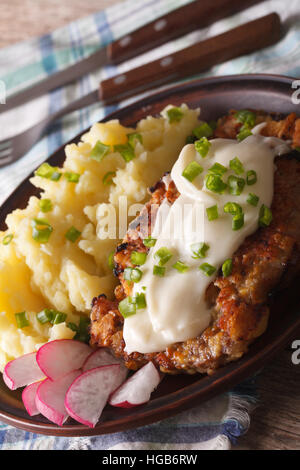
[{"x": 195, "y": 15}]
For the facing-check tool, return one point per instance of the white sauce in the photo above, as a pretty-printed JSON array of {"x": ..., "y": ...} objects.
[{"x": 176, "y": 308}]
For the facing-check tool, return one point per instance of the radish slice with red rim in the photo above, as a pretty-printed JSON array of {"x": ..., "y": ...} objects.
[
  {"x": 28, "y": 397},
  {"x": 102, "y": 357},
  {"x": 59, "y": 357},
  {"x": 138, "y": 388},
  {"x": 22, "y": 371},
  {"x": 88, "y": 394}
]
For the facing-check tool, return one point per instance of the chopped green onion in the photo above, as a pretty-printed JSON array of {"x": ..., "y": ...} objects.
[
  {"x": 213, "y": 124},
  {"x": 138, "y": 257},
  {"x": 191, "y": 139},
  {"x": 235, "y": 185},
  {"x": 127, "y": 307},
  {"x": 45, "y": 205},
  {"x": 208, "y": 269},
  {"x": 72, "y": 177},
  {"x": 236, "y": 166},
  {"x": 134, "y": 137},
  {"x": 132, "y": 274},
  {"x": 252, "y": 199},
  {"x": 140, "y": 300},
  {"x": 227, "y": 267},
  {"x": 218, "y": 169},
  {"x": 192, "y": 170},
  {"x": 107, "y": 178},
  {"x": 45, "y": 316},
  {"x": 215, "y": 183},
  {"x": 265, "y": 216},
  {"x": 41, "y": 230},
  {"x": 251, "y": 177},
  {"x": 212, "y": 213},
  {"x": 175, "y": 114},
  {"x": 111, "y": 262},
  {"x": 126, "y": 151},
  {"x": 7, "y": 239},
  {"x": 22, "y": 320},
  {"x": 83, "y": 330},
  {"x": 202, "y": 146},
  {"x": 237, "y": 222},
  {"x": 49, "y": 172},
  {"x": 199, "y": 250},
  {"x": 163, "y": 255},
  {"x": 204, "y": 130},
  {"x": 149, "y": 242},
  {"x": 99, "y": 151},
  {"x": 159, "y": 270},
  {"x": 72, "y": 234},
  {"x": 297, "y": 149},
  {"x": 233, "y": 208},
  {"x": 246, "y": 117},
  {"x": 244, "y": 132},
  {"x": 181, "y": 267},
  {"x": 59, "y": 318},
  {"x": 72, "y": 326}
]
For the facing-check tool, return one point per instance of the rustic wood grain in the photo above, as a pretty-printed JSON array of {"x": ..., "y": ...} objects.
[{"x": 275, "y": 423}]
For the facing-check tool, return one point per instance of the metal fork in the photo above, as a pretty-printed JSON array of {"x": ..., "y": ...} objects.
[{"x": 11, "y": 149}]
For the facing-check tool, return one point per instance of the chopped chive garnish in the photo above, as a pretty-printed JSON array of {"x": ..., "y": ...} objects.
[
  {"x": 191, "y": 139},
  {"x": 127, "y": 307},
  {"x": 218, "y": 169},
  {"x": 137, "y": 257},
  {"x": 265, "y": 216},
  {"x": 213, "y": 124},
  {"x": 244, "y": 132},
  {"x": 208, "y": 269},
  {"x": 181, "y": 267},
  {"x": 204, "y": 130},
  {"x": 41, "y": 230},
  {"x": 235, "y": 185},
  {"x": 83, "y": 330},
  {"x": 227, "y": 267},
  {"x": 107, "y": 179},
  {"x": 252, "y": 199},
  {"x": 233, "y": 208},
  {"x": 251, "y": 177},
  {"x": 212, "y": 213},
  {"x": 99, "y": 151},
  {"x": 192, "y": 170},
  {"x": 111, "y": 262},
  {"x": 72, "y": 177},
  {"x": 134, "y": 137},
  {"x": 45, "y": 316},
  {"x": 246, "y": 117},
  {"x": 72, "y": 326},
  {"x": 132, "y": 274},
  {"x": 149, "y": 242},
  {"x": 59, "y": 318},
  {"x": 49, "y": 172},
  {"x": 199, "y": 250},
  {"x": 163, "y": 255},
  {"x": 236, "y": 166},
  {"x": 21, "y": 319},
  {"x": 45, "y": 205},
  {"x": 159, "y": 270},
  {"x": 140, "y": 300},
  {"x": 202, "y": 146},
  {"x": 126, "y": 151},
  {"x": 174, "y": 114},
  {"x": 215, "y": 183},
  {"x": 237, "y": 222},
  {"x": 72, "y": 234},
  {"x": 7, "y": 239}
]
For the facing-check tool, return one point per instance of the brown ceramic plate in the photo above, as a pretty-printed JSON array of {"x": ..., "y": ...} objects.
[{"x": 176, "y": 393}]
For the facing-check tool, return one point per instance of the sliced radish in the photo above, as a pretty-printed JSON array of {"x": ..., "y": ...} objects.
[
  {"x": 22, "y": 371},
  {"x": 88, "y": 394},
  {"x": 50, "y": 397},
  {"x": 28, "y": 397},
  {"x": 59, "y": 357},
  {"x": 137, "y": 389},
  {"x": 102, "y": 357}
]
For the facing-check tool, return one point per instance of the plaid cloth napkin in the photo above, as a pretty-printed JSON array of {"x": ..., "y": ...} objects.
[{"x": 219, "y": 422}]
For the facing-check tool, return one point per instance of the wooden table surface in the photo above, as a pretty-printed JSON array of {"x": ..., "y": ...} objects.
[{"x": 275, "y": 424}]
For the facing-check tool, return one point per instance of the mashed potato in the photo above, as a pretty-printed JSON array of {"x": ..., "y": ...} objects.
[{"x": 65, "y": 274}]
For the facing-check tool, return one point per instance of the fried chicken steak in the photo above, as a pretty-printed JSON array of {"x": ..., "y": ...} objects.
[{"x": 266, "y": 260}]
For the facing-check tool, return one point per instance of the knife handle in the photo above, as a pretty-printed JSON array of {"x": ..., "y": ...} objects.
[
  {"x": 241, "y": 40},
  {"x": 195, "y": 15}
]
